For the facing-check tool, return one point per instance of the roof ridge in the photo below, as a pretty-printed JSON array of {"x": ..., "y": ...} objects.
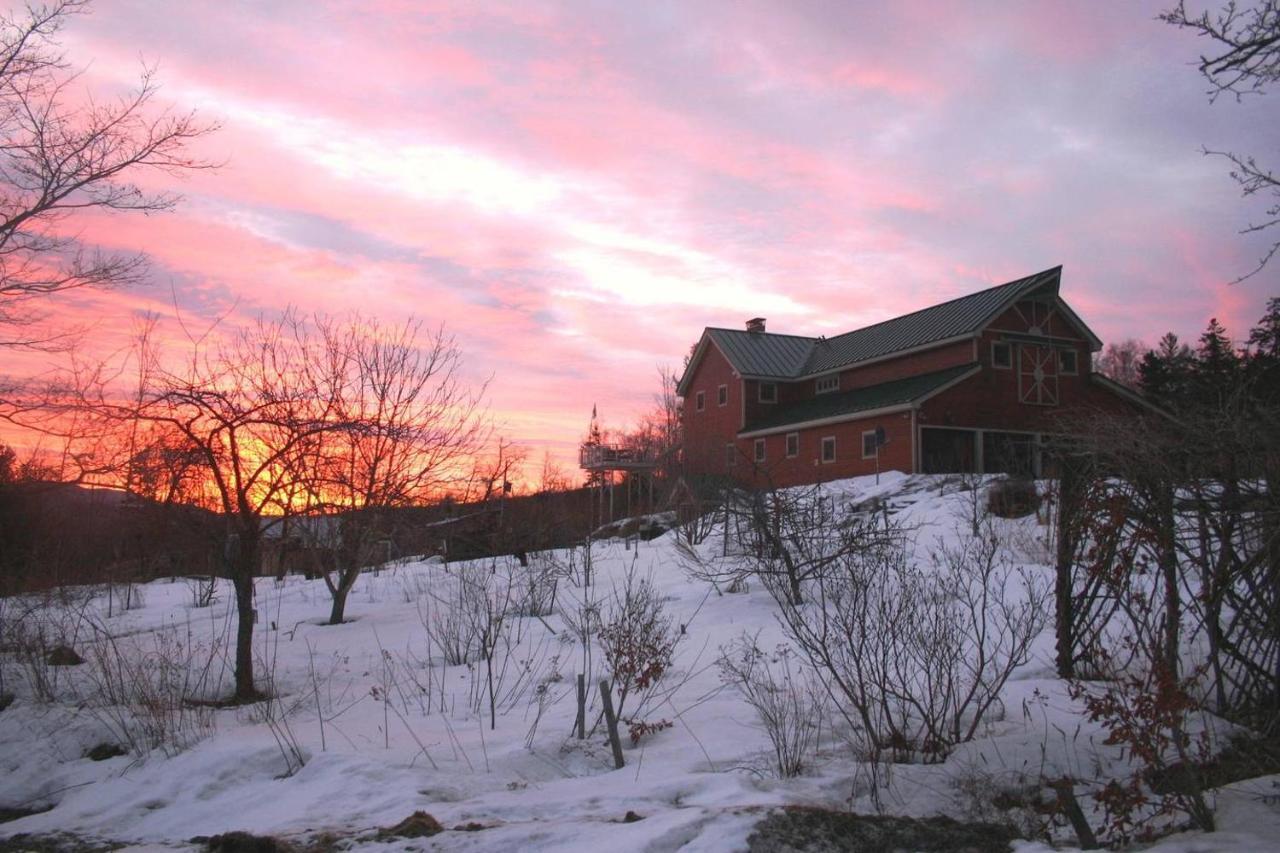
[
  {"x": 770, "y": 334},
  {"x": 1023, "y": 280}
]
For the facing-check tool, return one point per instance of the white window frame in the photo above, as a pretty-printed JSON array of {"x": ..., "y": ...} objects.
[
  {"x": 722, "y": 395},
  {"x": 822, "y": 452},
  {"x": 760, "y": 392},
  {"x": 792, "y": 454},
  {"x": 826, "y": 384},
  {"x": 700, "y": 401},
  {"x": 1075, "y": 363},
  {"x": 1008, "y": 348},
  {"x": 865, "y": 454},
  {"x": 759, "y": 450}
]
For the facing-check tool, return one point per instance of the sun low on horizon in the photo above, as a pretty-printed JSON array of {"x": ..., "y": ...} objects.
[{"x": 573, "y": 191}]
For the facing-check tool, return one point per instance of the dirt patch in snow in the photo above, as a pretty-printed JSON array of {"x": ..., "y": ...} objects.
[{"x": 820, "y": 831}]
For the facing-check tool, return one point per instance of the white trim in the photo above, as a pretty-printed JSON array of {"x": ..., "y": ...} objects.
[
  {"x": 1075, "y": 356},
  {"x": 872, "y": 454},
  {"x": 817, "y": 384},
  {"x": 786, "y": 447},
  {"x": 822, "y": 449},
  {"x": 1007, "y": 345},
  {"x": 1109, "y": 384},
  {"x": 868, "y": 413},
  {"x": 915, "y": 438},
  {"x": 760, "y": 393},
  {"x": 835, "y": 419},
  {"x": 722, "y": 399}
]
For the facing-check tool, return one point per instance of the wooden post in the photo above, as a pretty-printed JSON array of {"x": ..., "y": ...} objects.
[
  {"x": 1070, "y": 491},
  {"x": 1070, "y": 806},
  {"x": 581, "y": 723},
  {"x": 611, "y": 722}
]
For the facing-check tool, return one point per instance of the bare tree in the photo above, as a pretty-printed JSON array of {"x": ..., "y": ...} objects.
[
  {"x": 1119, "y": 361},
  {"x": 243, "y": 406},
  {"x": 1244, "y": 59},
  {"x": 58, "y": 157},
  {"x": 409, "y": 427}
]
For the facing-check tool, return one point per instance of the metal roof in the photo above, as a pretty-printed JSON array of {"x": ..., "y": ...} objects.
[
  {"x": 763, "y": 354},
  {"x": 793, "y": 356},
  {"x": 959, "y": 317},
  {"x": 899, "y": 392}
]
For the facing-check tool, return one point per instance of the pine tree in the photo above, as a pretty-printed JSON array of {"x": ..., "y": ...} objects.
[
  {"x": 1165, "y": 373},
  {"x": 1264, "y": 338}
]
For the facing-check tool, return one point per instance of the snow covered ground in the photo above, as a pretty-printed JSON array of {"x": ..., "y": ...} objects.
[{"x": 370, "y": 725}]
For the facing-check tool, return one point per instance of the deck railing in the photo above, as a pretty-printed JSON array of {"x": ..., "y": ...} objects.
[{"x": 613, "y": 456}]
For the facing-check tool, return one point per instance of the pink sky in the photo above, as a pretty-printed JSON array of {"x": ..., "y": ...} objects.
[{"x": 576, "y": 189}]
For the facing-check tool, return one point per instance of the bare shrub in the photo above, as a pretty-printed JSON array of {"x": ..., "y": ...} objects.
[
  {"x": 638, "y": 640},
  {"x": 142, "y": 690},
  {"x": 535, "y": 586},
  {"x": 785, "y": 695},
  {"x": 1013, "y": 497},
  {"x": 453, "y": 614},
  {"x": 915, "y": 660},
  {"x": 123, "y": 597},
  {"x": 202, "y": 590}
]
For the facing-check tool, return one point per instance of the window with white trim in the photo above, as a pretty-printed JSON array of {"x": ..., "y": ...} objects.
[
  {"x": 829, "y": 448},
  {"x": 826, "y": 384},
  {"x": 1001, "y": 355},
  {"x": 722, "y": 395},
  {"x": 759, "y": 449},
  {"x": 869, "y": 444},
  {"x": 1067, "y": 362},
  {"x": 793, "y": 445},
  {"x": 768, "y": 392},
  {"x": 700, "y": 401}
]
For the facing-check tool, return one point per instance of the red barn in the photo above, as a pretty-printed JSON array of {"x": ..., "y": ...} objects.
[{"x": 971, "y": 385}]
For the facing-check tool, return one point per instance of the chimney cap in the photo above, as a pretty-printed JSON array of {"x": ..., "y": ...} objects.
[{"x": 755, "y": 324}]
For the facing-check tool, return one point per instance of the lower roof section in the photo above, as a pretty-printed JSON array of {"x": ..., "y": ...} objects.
[{"x": 860, "y": 402}]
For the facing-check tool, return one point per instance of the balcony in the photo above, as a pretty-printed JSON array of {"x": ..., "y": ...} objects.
[{"x": 612, "y": 457}]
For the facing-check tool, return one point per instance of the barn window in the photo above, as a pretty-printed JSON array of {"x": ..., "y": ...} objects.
[
  {"x": 793, "y": 444},
  {"x": 759, "y": 449},
  {"x": 869, "y": 444},
  {"x": 1001, "y": 355},
  {"x": 722, "y": 395},
  {"x": 768, "y": 392},
  {"x": 826, "y": 384},
  {"x": 700, "y": 401},
  {"x": 829, "y": 448},
  {"x": 1067, "y": 361},
  {"x": 730, "y": 455}
]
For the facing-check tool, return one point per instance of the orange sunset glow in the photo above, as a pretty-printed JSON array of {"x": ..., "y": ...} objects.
[{"x": 575, "y": 190}]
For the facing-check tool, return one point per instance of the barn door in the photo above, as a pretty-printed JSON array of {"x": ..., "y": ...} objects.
[{"x": 1037, "y": 375}]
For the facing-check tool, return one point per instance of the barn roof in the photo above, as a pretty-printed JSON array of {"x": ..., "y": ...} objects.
[
  {"x": 899, "y": 392},
  {"x": 789, "y": 357}
]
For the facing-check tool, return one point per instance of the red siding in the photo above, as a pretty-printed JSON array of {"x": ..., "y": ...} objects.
[
  {"x": 928, "y": 361},
  {"x": 990, "y": 400},
  {"x": 808, "y": 467},
  {"x": 707, "y": 432}
]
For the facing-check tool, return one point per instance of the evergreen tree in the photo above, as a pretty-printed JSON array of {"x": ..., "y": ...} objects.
[
  {"x": 1264, "y": 338},
  {"x": 1217, "y": 366},
  {"x": 1165, "y": 373}
]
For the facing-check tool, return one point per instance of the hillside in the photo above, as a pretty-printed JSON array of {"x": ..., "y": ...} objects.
[{"x": 370, "y": 722}]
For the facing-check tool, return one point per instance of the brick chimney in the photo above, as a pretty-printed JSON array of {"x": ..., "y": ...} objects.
[{"x": 755, "y": 324}]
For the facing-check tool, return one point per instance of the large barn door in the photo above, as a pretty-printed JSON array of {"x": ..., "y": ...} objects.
[{"x": 1037, "y": 375}]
